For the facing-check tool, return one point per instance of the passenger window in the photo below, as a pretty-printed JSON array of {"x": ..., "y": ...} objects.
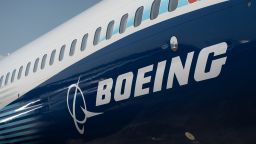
[
  {"x": 97, "y": 36},
  {"x": 27, "y": 69},
  {"x": 123, "y": 23},
  {"x": 43, "y": 61},
  {"x": 173, "y": 4},
  {"x": 110, "y": 29},
  {"x": 138, "y": 16},
  {"x": 13, "y": 75},
  {"x": 84, "y": 42},
  {"x": 1, "y": 81},
  {"x": 62, "y": 52},
  {"x": 20, "y": 72},
  {"x": 155, "y": 9},
  {"x": 52, "y": 57},
  {"x": 7, "y": 78},
  {"x": 36, "y": 65},
  {"x": 73, "y": 47}
]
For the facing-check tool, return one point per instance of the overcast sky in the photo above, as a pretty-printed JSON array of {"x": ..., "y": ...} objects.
[{"x": 22, "y": 21}]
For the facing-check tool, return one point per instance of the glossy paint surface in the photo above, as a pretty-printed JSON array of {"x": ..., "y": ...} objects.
[{"x": 220, "y": 110}]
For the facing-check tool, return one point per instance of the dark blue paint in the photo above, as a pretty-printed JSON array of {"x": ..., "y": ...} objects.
[{"x": 220, "y": 110}]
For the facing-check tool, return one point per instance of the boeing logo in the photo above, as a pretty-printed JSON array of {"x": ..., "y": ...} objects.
[
  {"x": 72, "y": 109},
  {"x": 120, "y": 89}
]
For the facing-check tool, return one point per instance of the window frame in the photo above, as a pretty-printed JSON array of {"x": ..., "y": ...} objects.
[
  {"x": 13, "y": 75},
  {"x": 7, "y": 78},
  {"x": 138, "y": 16},
  {"x": 1, "y": 81},
  {"x": 110, "y": 29},
  {"x": 73, "y": 47},
  {"x": 20, "y": 72},
  {"x": 84, "y": 42},
  {"x": 123, "y": 23},
  {"x": 155, "y": 9},
  {"x": 43, "y": 62},
  {"x": 97, "y": 33},
  {"x": 27, "y": 69},
  {"x": 62, "y": 53},
  {"x": 52, "y": 58},
  {"x": 173, "y": 5},
  {"x": 36, "y": 65}
]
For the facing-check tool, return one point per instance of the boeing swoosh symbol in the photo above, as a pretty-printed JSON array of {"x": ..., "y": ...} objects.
[{"x": 87, "y": 114}]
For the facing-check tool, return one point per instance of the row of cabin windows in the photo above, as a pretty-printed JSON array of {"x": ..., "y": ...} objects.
[
  {"x": 123, "y": 25},
  {"x": 155, "y": 9},
  {"x": 42, "y": 65}
]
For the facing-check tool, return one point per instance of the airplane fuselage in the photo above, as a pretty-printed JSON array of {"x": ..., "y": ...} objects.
[{"x": 138, "y": 89}]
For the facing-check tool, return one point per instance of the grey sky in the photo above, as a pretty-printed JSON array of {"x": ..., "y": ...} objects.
[{"x": 22, "y": 21}]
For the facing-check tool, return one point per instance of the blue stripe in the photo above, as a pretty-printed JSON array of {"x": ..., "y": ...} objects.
[
  {"x": 19, "y": 128},
  {"x": 9, "y": 107},
  {"x": 19, "y": 122},
  {"x": 19, "y": 134},
  {"x": 23, "y": 139}
]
